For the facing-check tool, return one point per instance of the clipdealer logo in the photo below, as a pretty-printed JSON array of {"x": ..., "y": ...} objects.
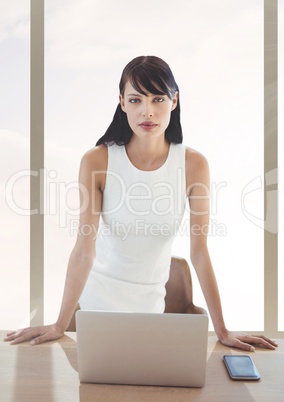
[{"x": 56, "y": 197}]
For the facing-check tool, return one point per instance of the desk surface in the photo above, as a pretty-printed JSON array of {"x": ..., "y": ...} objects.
[{"x": 48, "y": 373}]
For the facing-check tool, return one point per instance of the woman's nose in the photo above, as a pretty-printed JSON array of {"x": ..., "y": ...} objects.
[{"x": 147, "y": 110}]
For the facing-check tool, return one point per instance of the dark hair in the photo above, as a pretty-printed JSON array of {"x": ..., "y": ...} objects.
[{"x": 155, "y": 75}]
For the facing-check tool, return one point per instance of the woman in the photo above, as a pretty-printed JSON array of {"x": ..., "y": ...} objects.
[{"x": 139, "y": 178}]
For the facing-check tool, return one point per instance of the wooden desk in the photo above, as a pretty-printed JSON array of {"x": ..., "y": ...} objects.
[{"x": 48, "y": 373}]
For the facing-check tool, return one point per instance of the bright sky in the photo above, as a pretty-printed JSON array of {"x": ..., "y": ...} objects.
[{"x": 215, "y": 50}]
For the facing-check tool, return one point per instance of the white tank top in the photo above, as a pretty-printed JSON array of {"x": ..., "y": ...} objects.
[{"x": 142, "y": 211}]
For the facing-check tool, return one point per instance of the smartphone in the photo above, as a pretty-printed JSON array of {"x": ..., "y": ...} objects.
[{"x": 241, "y": 367}]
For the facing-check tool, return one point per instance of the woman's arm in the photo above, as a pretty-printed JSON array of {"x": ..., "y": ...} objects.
[
  {"x": 91, "y": 183},
  {"x": 198, "y": 191}
]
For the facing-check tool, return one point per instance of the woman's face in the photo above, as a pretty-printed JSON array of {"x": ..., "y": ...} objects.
[{"x": 147, "y": 115}]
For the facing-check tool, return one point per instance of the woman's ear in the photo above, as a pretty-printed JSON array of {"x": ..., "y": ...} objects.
[
  {"x": 121, "y": 101},
  {"x": 175, "y": 101}
]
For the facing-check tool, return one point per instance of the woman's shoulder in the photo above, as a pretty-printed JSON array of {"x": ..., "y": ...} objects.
[
  {"x": 96, "y": 158},
  {"x": 94, "y": 161},
  {"x": 197, "y": 168},
  {"x": 194, "y": 158}
]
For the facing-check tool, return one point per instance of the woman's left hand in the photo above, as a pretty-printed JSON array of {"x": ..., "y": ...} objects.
[{"x": 245, "y": 341}]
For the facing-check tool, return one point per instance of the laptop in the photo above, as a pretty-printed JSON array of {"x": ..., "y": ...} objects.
[{"x": 142, "y": 348}]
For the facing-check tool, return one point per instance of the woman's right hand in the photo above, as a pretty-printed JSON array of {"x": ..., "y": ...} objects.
[{"x": 35, "y": 335}]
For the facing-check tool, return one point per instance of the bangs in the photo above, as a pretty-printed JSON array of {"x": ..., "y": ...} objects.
[{"x": 141, "y": 78}]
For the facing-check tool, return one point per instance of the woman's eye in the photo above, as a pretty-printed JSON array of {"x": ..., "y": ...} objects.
[
  {"x": 133, "y": 100},
  {"x": 159, "y": 100}
]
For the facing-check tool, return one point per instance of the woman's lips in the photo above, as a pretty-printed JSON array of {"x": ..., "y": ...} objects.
[{"x": 148, "y": 125}]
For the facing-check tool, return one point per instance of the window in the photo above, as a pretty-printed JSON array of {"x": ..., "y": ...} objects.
[
  {"x": 221, "y": 81},
  {"x": 15, "y": 155}
]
